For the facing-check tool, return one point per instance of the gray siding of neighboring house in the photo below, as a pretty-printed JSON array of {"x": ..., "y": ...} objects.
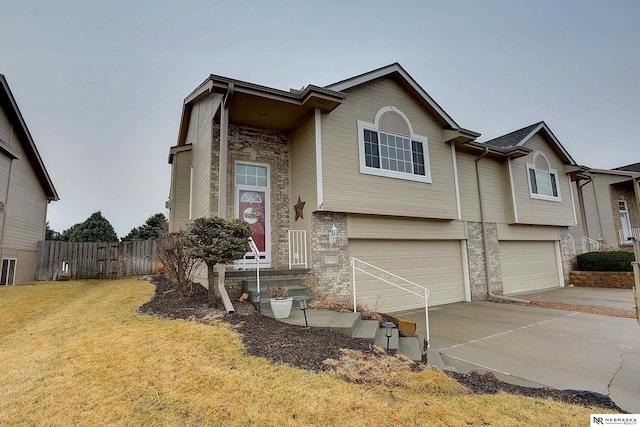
[{"x": 25, "y": 206}]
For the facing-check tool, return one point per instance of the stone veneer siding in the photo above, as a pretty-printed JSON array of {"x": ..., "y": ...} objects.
[
  {"x": 475, "y": 251},
  {"x": 333, "y": 281},
  {"x": 567, "y": 254},
  {"x": 264, "y": 146}
]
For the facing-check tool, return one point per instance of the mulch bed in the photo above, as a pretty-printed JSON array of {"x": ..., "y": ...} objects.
[{"x": 307, "y": 348}]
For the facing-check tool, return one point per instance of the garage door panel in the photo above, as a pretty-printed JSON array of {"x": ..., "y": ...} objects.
[
  {"x": 434, "y": 264},
  {"x": 528, "y": 266}
]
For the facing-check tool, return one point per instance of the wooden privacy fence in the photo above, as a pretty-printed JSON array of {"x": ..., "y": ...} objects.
[{"x": 95, "y": 260}]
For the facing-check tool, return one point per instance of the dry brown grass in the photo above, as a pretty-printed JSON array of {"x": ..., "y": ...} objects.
[{"x": 77, "y": 353}]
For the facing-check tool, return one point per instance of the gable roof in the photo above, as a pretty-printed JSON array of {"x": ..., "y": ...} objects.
[
  {"x": 396, "y": 71},
  {"x": 10, "y": 106},
  {"x": 250, "y": 102},
  {"x": 634, "y": 167},
  {"x": 520, "y": 137}
]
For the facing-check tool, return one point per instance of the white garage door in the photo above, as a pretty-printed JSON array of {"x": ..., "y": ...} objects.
[
  {"x": 436, "y": 265},
  {"x": 528, "y": 266}
]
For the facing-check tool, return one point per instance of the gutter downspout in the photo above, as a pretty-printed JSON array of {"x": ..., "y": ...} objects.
[
  {"x": 583, "y": 212},
  {"x": 222, "y": 188},
  {"x": 485, "y": 246}
]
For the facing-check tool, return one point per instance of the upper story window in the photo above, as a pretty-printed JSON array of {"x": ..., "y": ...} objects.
[
  {"x": 389, "y": 147},
  {"x": 543, "y": 181}
]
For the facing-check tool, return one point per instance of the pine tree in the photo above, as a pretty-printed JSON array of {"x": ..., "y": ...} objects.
[{"x": 95, "y": 229}]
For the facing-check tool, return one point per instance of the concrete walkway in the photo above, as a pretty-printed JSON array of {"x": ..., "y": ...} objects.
[{"x": 534, "y": 346}]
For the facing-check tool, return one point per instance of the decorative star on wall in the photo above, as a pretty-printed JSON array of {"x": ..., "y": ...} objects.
[{"x": 298, "y": 208}]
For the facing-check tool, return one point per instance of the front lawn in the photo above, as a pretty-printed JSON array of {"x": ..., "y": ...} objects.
[{"x": 78, "y": 353}]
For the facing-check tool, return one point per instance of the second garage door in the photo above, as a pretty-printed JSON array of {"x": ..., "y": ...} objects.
[
  {"x": 436, "y": 265},
  {"x": 528, "y": 266}
]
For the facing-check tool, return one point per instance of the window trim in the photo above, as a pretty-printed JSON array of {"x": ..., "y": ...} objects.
[
  {"x": 4, "y": 277},
  {"x": 530, "y": 167},
  {"x": 373, "y": 127}
]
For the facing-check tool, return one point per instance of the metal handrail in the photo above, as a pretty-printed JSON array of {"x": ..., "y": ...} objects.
[
  {"x": 631, "y": 232},
  {"x": 389, "y": 278},
  {"x": 590, "y": 243}
]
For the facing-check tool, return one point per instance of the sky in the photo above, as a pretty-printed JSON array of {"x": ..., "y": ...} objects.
[{"x": 101, "y": 84}]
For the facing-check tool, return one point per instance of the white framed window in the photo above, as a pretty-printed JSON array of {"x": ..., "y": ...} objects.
[
  {"x": 388, "y": 147},
  {"x": 543, "y": 181},
  {"x": 8, "y": 275}
]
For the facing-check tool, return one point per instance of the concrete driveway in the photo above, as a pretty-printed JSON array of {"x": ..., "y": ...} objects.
[{"x": 534, "y": 346}]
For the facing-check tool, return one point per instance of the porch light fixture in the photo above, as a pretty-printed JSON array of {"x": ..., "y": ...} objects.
[
  {"x": 304, "y": 306},
  {"x": 333, "y": 235},
  {"x": 388, "y": 331}
]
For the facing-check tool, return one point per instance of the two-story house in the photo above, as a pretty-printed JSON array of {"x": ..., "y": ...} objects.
[
  {"x": 25, "y": 192},
  {"x": 609, "y": 208},
  {"x": 373, "y": 168}
]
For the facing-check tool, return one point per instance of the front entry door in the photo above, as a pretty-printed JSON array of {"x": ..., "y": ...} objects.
[
  {"x": 252, "y": 206},
  {"x": 624, "y": 220}
]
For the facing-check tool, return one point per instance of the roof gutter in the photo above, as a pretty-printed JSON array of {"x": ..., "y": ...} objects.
[{"x": 485, "y": 245}]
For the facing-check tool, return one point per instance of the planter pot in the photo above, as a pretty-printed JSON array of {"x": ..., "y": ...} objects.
[{"x": 281, "y": 307}]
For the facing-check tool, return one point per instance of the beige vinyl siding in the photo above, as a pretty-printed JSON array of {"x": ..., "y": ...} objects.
[
  {"x": 5, "y": 167},
  {"x": 495, "y": 189},
  {"x": 528, "y": 266},
  {"x": 536, "y": 211},
  {"x": 347, "y": 190},
  {"x": 601, "y": 195},
  {"x": 25, "y": 206},
  {"x": 376, "y": 227},
  {"x": 180, "y": 190},
  {"x": 303, "y": 175},
  {"x": 199, "y": 134},
  {"x": 578, "y": 230},
  {"x": 26, "y": 266},
  {"x": 593, "y": 221},
  {"x": 436, "y": 265},
  {"x": 526, "y": 232},
  {"x": 5, "y": 126},
  {"x": 24, "y": 217}
]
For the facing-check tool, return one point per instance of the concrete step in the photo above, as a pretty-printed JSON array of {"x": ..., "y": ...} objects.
[
  {"x": 367, "y": 330},
  {"x": 250, "y": 285},
  {"x": 409, "y": 347},
  {"x": 351, "y": 324},
  {"x": 381, "y": 340}
]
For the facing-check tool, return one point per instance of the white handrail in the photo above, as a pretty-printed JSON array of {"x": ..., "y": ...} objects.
[
  {"x": 391, "y": 279},
  {"x": 590, "y": 243},
  {"x": 627, "y": 236}
]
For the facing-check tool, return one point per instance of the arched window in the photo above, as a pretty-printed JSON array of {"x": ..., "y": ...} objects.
[
  {"x": 543, "y": 181},
  {"x": 388, "y": 147}
]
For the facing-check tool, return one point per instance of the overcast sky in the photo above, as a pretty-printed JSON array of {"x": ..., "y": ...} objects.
[{"x": 101, "y": 84}]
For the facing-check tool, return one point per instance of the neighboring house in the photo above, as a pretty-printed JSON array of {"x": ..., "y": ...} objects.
[
  {"x": 25, "y": 191},
  {"x": 609, "y": 202},
  {"x": 372, "y": 167}
]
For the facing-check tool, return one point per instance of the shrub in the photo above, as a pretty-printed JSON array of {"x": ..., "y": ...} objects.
[
  {"x": 606, "y": 261},
  {"x": 179, "y": 267},
  {"x": 217, "y": 240}
]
